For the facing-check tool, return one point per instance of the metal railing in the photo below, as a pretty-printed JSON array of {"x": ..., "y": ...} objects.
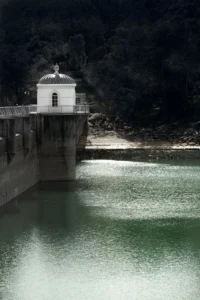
[
  {"x": 9, "y": 111},
  {"x": 63, "y": 109},
  {"x": 83, "y": 108}
]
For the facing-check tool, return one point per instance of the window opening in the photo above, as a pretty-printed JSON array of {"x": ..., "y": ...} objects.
[
  {"x": 78, "y": 101},
  {"x": 55, "y": 99}
]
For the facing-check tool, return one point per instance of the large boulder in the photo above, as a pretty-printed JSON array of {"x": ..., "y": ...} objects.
[{"x": 96, "y": 117}]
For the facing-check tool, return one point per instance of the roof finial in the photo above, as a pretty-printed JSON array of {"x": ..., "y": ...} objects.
[{"x": 56, "y": 68}]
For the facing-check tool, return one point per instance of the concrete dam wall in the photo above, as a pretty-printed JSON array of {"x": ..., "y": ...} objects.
[{"x": 37, "y": 148}]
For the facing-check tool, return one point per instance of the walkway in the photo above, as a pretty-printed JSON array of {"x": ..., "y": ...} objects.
[{"x": 18, "y": 111}]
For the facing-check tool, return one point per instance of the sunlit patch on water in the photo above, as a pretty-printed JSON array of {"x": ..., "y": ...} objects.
[
  {"x": 118, "y": 162},
  {"x": 136, "y": 190}
]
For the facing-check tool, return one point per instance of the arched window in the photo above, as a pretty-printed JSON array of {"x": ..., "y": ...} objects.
[{"x": 55, "y": 99}]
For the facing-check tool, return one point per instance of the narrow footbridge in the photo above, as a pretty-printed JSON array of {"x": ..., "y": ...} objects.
[
  {"x": 14, "y": 111},
  {"x": 19, "y": 111}
]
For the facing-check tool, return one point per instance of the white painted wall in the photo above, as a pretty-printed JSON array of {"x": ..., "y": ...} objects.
[{"x": 66, "y": 97}]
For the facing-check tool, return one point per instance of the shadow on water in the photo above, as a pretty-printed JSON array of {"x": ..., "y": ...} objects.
[{"x": 47, "y": 206}]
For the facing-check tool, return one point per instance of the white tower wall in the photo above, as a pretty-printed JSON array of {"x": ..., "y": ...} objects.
[{"x": 66, "y": 97}]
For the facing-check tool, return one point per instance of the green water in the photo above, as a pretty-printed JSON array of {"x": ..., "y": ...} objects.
[{"x": 126, "y": 231}]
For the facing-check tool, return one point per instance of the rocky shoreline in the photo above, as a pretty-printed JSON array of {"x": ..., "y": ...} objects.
[
  {"x": 106, "y": 140},
  {"x": 181, "y": 133}
]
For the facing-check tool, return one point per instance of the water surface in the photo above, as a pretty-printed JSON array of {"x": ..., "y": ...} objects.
[{"x": 127, "y": 230}]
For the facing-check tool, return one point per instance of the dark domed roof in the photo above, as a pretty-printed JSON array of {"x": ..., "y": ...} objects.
[{"x": 56, "y": 78}]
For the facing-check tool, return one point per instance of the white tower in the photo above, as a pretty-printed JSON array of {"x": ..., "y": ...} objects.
[{"x": 56, "y": 94}]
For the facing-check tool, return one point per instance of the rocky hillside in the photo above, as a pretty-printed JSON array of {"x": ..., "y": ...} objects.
[{"x": 186, "y": 134}]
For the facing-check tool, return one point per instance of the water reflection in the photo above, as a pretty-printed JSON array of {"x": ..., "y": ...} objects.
[
  {"x": 41, "y": 206},
  {"x": 123, "y": 232}
]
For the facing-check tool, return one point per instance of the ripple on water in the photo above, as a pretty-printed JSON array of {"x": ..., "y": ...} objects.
[
  {"x": 129, "y": 231},
  {"x": 140, "y": 190}
]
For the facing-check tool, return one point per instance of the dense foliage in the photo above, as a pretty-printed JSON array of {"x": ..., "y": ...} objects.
[{"x": 142, "y": 57}]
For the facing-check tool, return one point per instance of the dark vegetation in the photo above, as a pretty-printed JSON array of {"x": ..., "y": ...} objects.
[{"x": 141, "y": 57}]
